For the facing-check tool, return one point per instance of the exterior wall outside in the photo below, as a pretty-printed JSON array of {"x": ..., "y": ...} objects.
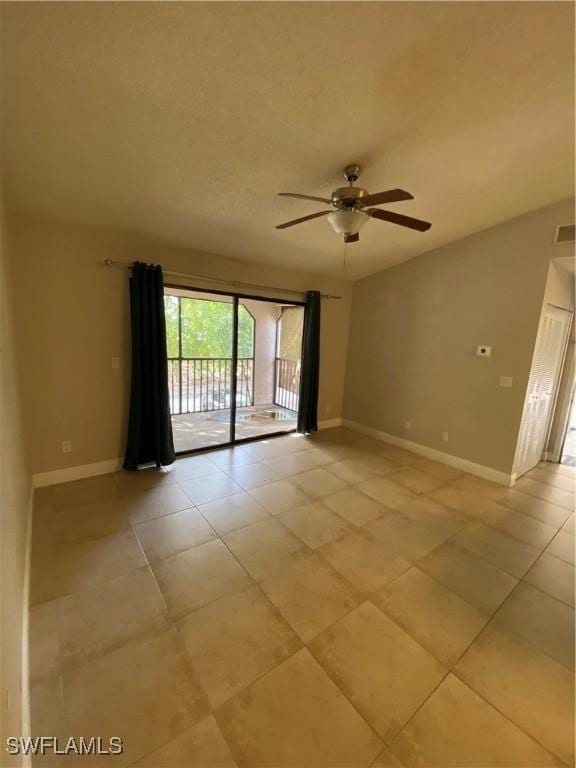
[
  {"x": 265, "y": 316},
  {"x": 291, "y": 336}
]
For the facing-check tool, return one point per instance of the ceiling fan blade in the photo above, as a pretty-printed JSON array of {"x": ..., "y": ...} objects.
[
  {"x": 303, "y": 218},
  {"x": 398, "y": 218},
  {"x": 352, "y": 238},
  {"x": 390, "y": 196},
  {"x": 305, "y": 197}
]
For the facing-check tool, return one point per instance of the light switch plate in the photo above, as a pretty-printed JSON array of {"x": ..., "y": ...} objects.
[{"x": 506, "y": 381}]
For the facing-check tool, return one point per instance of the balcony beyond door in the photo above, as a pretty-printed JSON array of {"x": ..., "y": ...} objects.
[{"x": 209, "y": 405}]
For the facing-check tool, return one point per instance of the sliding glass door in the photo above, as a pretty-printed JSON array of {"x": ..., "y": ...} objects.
[
  {"x": 200, "y": 342},
  {"x": 233, "y": 367},
  {"x": 275, "y": 374}
]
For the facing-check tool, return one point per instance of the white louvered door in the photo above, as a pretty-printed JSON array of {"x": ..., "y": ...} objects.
[{"x": 547, "y": 363}]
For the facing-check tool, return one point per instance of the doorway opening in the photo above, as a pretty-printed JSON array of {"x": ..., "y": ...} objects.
[
  {"x": 569, "y": 448},
  {"x": 233, "y": 367},
  {"x": 543, "y": 388}
]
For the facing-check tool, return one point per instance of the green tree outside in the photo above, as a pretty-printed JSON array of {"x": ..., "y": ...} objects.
[{"x": 207, "y": 328}]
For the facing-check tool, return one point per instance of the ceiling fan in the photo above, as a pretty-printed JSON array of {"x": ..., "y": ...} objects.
[{"x": 352, "y": 208}]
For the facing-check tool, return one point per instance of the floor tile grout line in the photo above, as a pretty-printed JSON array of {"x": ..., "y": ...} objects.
[
  {"x": 268, "y": 671},
  {"x": 196, "y": 507},
  {"x": 218, "y": 537},
  {"x": 304, "y": 644},
  {"x": 368, "y": 599},
  {"x": 240, "y": 527},
  {"x": 541, "y": 498},
  {"x": 485, "y": 628},
  {"x": 215, "y": 711},
  {"x": 468, "y": 684},
  {"x": 167, "y": 515},
  {"x": 452, "y": 667},
  {"x": 451, "y": 539},
  {"x": 365, "y": 596},
  {"x": 412, "y": 564},
  {"x": 483, "y": 559},
  {"x": 413, "y": 715},
  {"x": 552, "y": 485},
  {"x": 543, "y": 591},
  {"x": 488, "y": 703},
  {"x": 354, "y": 707},
  {"x": 547, "y": 594},
  {"x": 147, "y": 566},
  {"x": 502, "y": 501},
  {"x": 152, "y": 573},
  {"x": 175, "y": 624},
  {"x": 558, "y": 557},
  {"x": 517, "y": 634},
  {"x": 489, "y": 524}
]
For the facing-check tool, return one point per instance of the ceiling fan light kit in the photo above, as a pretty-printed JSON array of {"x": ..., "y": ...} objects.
[
  {"x": 352, "y": 211},
  {"x": 347, "y": 221}
]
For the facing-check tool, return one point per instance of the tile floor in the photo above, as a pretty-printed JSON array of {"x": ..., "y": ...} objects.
[
  {"x": 210, "y": 428},
  {"x": 307, "y": 602}
]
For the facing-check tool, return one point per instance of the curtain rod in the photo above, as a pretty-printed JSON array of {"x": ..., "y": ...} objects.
[{"x": 234, "y": 283}]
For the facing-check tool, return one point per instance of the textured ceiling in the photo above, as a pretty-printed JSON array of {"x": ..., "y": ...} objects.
[{"x": 183, "y": 120}]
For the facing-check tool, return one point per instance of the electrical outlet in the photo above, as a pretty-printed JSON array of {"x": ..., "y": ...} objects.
[
  {"x": 66, "y": 446},
  {"x": 506, "y": 381},
  {"x": 407, "y": 425},
  {"x": 445, "y": 436},
  {"x": 115, "y": 362}
]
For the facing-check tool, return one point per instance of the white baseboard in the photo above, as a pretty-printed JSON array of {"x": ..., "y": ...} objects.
[
  {"x": 42, "y": 479},
  {"x": 487, "y": 473},
  {"x": 330, "y": 423}
]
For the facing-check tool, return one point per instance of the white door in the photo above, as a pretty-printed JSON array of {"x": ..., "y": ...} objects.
[{"x": 547, "y": 364}]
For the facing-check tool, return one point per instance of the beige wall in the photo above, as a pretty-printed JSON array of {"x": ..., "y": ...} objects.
[
  {"x": 73, "y": 318},
  {"x": 15, "y": 506},
  {"x": 415, "y": 328}
]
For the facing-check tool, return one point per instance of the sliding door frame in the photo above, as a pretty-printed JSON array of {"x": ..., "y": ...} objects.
[{"x": 236, "y": 298}]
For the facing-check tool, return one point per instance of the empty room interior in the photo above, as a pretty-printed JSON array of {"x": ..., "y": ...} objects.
[{"x": 287, "y": 378}]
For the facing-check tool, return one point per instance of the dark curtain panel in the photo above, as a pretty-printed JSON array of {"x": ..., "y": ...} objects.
[
  {"x": 310, "y": 371},
  {"x": 149, "y": 428}
]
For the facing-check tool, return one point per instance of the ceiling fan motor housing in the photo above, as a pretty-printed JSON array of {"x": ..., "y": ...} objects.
[{"x": 348, "y": 197}]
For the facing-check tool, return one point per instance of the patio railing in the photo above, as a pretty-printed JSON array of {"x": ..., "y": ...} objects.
[
  {"x": 198, "y": 384},
  {"x": 287, "y": 383}
]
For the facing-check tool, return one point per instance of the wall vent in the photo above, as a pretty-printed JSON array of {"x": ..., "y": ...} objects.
[{"x": 565, "y": 233}]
